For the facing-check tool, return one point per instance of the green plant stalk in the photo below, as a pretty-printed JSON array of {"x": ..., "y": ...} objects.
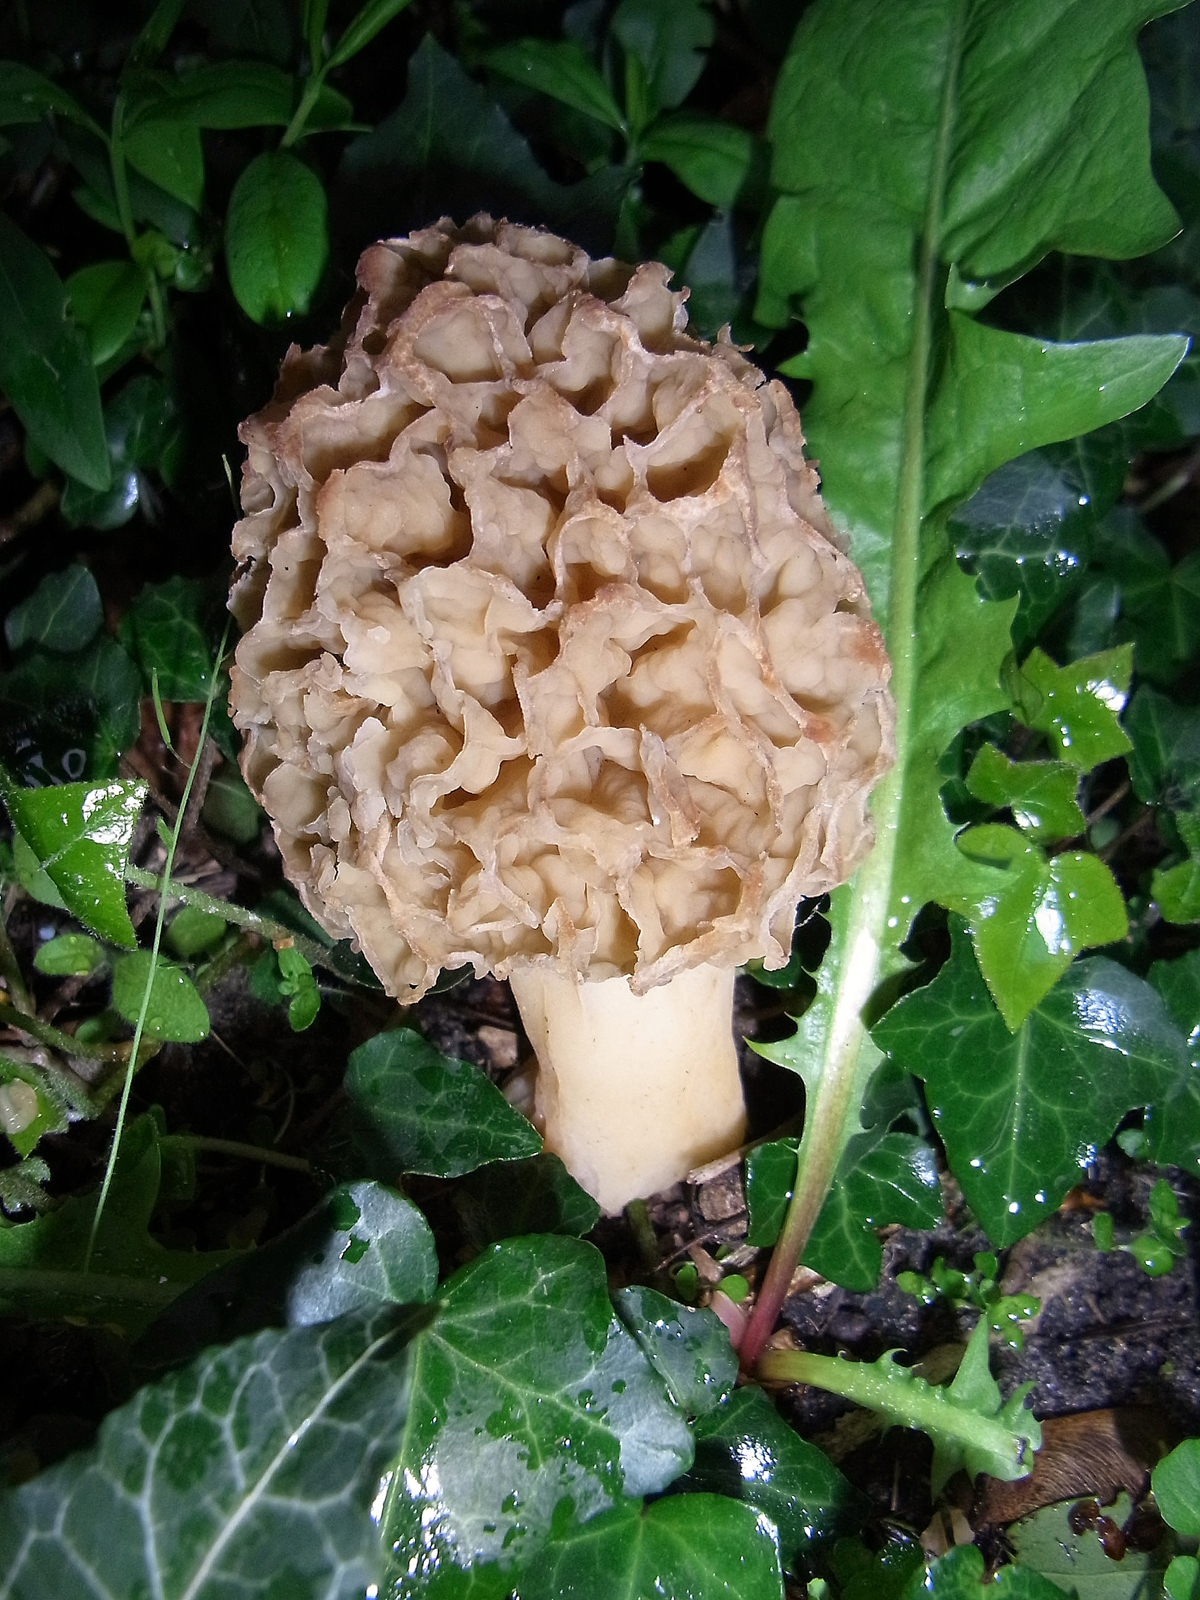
[
  {"x": 120, "y": 178},
  {"x": 832, "y": 1113},
  {"x": 897, "y": 1394},
  {"x": 308, "y": 99},
  {"x": 237, "y": 915},
  {"x": 248, "y": 1152},
  {"x": 66, "y": 1043},
  {"x": 10, "y": 971},
  {"x": 155, "y": 947}
]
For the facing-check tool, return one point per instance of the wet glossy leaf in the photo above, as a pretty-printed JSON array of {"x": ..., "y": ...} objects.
[
  {"x": 381, "y": 1251},
  {"x": 132, "y": 1277},
  {"x": 63, "y": 613},
  {"x": 64, "y": 716},
  {"x": 1036, "y": 914},
  {"x": 451, "y": 148},
  {"x": 415, "y": 1110},
  {"x": 276, "y": 236},
  {"x": 106, "y": 300},
  {"x": 745, "y": 1450},
  {"x": 45, "y": 362},
  {"x": 1173, "y": 1122},
  {"x": 689, "y": 1349},
  {"x": 69, "y": 955},
  {"x": 560, "y": 69},
  {"x": 169, "y": 154},
  {"x": 958, "y": 1575},
  {"x": 1076, "y": 706},
  {"x": 711, "y": 158},
  {"x": 882, "y": 1178},
  {"x": 1165, "y": 763},
  {"x": 80, "y": 832},
  {"x": 143, "y": 430},
  {"x": 1040, "y": 794},
  {"x": 526, "y": 1392},
  {"x": 1046, "y": 1547},
  {"x": 172, "y": 628},
  {"x": 1020, "y": 1113},
  {"x": 770, "y": 1177},
  {"x": 508, "y": 1198},
  {"x": 250, "y": 1471},
  {"x": 1176, "y": 891},
  {"x": 175, "y": 1011},
  {"x": 669, "y": 39},
  {"x": 28, "y": 1106},
  {"x": 192, "y": 931},
  {"x": 702, "y": 1546},
  {"x": 1176, "y": 1484}
]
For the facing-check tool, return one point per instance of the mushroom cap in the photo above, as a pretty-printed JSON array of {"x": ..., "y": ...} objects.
[{"x": 550, "y": 654}]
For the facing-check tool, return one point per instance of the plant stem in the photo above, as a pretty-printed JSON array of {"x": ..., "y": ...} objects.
[
  {"x": 237, "y": 915},
  {"x": 308, "y": 99},
  {"x": 832, "y": 1111},
  {"x": 155, "y": 947},
  {"x": 250, "y": 1152},
  {"x": 54, "y": 1038},
  {"x": 10, "y": 971}
]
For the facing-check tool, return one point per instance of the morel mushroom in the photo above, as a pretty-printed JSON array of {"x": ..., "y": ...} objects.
[{"x": 552, "y": 665}]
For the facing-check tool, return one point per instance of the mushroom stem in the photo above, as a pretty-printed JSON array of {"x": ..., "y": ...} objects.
[{"x": 633, "y": 1091}]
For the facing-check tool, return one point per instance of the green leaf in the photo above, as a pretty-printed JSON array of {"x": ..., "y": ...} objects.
[
  {"x": 250, "y": 1470},
  {"x": 299, "y": 987},
  {"x": 1019, "y": 1112},
  {"x": 958, "y": 1575},
  {"x": 1176, "y": 891},
  {"x": 192, "y": 931},
  {"x": 508, "y": 1198},
  {"x": 1173, "y": 1122},
  {"x": 63, "y": 613},
  {"x": 968, "y": 1424},
  {"x": 711, "y": 158},
  {"x": 1176, "y": 1484},
  {"x": 106, "y": 299},
  {"x": 45, "y": 363},
  {"x": 1034, "y": 914},
  {"x": 770, "y": 1179},
  {"x": 169, "y": 154},
  {"x": 81, "y": 832},
  {"x": 143, "y": 430},
  {"x": 525, "y": 1391},
  {"x": 689, "y": 1349},
  {"x": 26, "y": 96},
  {"x": 560, "y": 69},
  {"x": 1040, "y": 794},
  {"x": 62, "y": 716},
  {"x": 172, "y": 629},
  {"x": 276, "y": 237},
  {"x": 449, "y": 148},
  {"x": 703, "y": 1546},
  {"x": 32, "y": 1102},
  {"x": 1165, "y": 762},
  {"x": 381, "y": 1251},
  {"x": 745, "y": 1450},
  {"x": 1181, "y": 1581},
  {"x": 132, "y": 1276},
  {"x": 1047, "y": 1545},
  {"x": 669, "y": 39},
  {"x": 226, "y": 94},
  {"x": 175, "y": 1011},
  {"x": 1076, "y": 706},
  {"x": 69, "y": 955},
  {"x": 415, "y": 1110},
  {"x": 882, "y": 1178},
  {"x": 372, "y": 16},
  {"x": 249, "y": 27}
]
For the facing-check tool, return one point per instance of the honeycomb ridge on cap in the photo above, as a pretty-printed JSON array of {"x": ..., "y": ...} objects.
[{"x": 550, "y": 653}]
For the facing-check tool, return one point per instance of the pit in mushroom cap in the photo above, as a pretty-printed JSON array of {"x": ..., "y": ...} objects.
[{"x": 551, "y": 660}]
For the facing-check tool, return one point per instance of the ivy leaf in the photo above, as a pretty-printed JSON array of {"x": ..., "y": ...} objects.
[
  {"x": 415, "y": 1110},
  {"x": 171, "y": 629},
  {"x": 508, "y": 1198},
  {"x": 882, "y": 1178},
  {"x": 688, "y": 1348},
  {"x": 81, "y": 832},
  {"x": 63, "y": 716},
  {"x": 967, "y": 1422},
  {"x": 45, "y": 364},
  {"x": 701, "y": 1545},
  {"x": 525, "y": 1391},
  {"x": 1076, "y": 706},
  {"x": 1020, "y": 1112},
  {"x": 745, "y": 1450},
  {"x": 1173, "y": 1123},
  {"x": 132, "y": 1276},
  {"x": 1165, "y": 762},
  {"x": 1035, "y": 914},
  {"x": 1176, "y": 1484},
  {"x": 175, "y": 1010},
  {"x": 253, "y": 1466},
  {"x": 958, "y": 1575},
  {"x": 1040, "y": 794},
  {"x": 276, "y": 236},
  {"x": 560, "y": 69},
  {"x": 64, "y": 612}
]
